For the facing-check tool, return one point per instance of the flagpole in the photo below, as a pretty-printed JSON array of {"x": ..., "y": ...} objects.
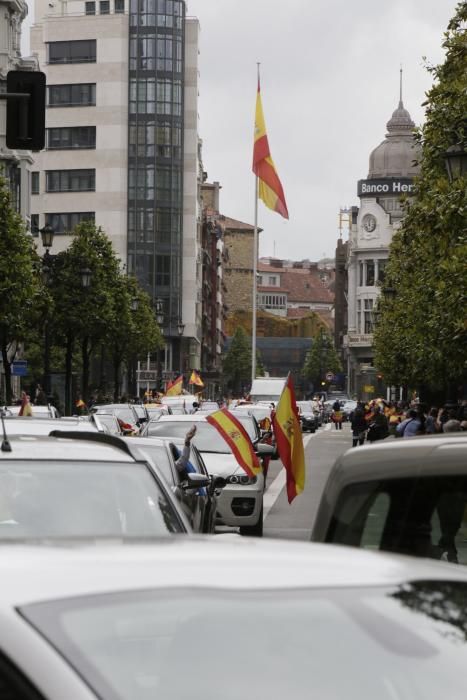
[{"x": 255, "y": 275}]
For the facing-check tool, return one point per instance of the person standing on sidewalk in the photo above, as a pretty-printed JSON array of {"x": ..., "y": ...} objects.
[{"x": 337, "y": 415}]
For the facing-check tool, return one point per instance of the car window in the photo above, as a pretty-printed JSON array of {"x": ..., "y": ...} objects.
[
  {"x": 420, "y": 516},
  {"x": 158, "y": 454},
  {"x": 13, "y": 685},
  {"x": 82, "y": 499},
  {"x": 385, "y": 643}
]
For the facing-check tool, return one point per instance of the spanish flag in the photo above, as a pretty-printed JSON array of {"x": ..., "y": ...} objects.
[
  {"x": 270, "y": 187},
  {"x": 196, "y": 379},
  {"x": 175, "y": 388},
  {"x": 289, "y": 440},
  {"x": 237, "y": 439}
]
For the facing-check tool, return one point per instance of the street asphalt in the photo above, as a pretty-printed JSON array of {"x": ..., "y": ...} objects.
[{"x": 295, "y": 521}]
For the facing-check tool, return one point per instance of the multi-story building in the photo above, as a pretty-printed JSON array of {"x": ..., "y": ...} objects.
[
  {"x": 293, "y": 289},
  {"x": 391, "y": 171},
  {"x": 122, "y": 144},
  {"x": 15, "y": 165}
]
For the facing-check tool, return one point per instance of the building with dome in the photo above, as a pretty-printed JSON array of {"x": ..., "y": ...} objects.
[{"x": 392, "y": 167}]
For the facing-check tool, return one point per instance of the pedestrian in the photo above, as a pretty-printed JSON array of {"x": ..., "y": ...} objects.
[
  {"x": 452, "y": 426},
  {"x": 26, "y": 408},
  {"x": 411, "y": 426},
  {"x": 430, "y": 423},
  {"x": 378, "y": 427},
  {"x": 40, "y": 399},
  {"x": 337, "y": 415},
  {"x": 359, "y": 427}
]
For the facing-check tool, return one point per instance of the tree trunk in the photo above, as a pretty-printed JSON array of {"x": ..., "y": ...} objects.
[
  {"x": 116, "y": 363},
  {"x": 7, "y": 374},
  {"x": 68, "y": 374},
  {"x": 85, "y": 355},
  {"x": 102, "y": 377}
]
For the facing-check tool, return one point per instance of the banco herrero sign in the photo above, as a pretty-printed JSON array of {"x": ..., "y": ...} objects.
[{"x": 395, "y": 186}]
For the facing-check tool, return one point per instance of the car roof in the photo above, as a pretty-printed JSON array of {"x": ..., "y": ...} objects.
[
  {"x": 190, "y": 418},
  {"x": 153, "y": 440},
  {"x": 38, "y": 447},
  {"x": 39, "y": 573},
  {"x": 403, "y": 457},
  {"x": 35, "y": 425}
]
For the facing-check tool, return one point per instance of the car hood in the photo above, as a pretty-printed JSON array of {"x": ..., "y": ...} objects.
[{"x": 222, "y": 464}]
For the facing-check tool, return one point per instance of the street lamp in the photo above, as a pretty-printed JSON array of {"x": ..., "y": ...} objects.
[
  {"x": 159, "y": 307},
  {"x": 86, "y": 276},
  {"x": 180, "y": 328},
  {"x": 455, "y": 160},
  {"x": 47, "y": 236},
  {"x": 134, "y": 304}
]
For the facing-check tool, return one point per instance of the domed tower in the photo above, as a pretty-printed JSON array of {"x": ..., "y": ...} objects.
[{"x": 392, "y": 167}]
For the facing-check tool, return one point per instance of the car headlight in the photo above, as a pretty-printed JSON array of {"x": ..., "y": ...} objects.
[{"x": 242, "y": 479}]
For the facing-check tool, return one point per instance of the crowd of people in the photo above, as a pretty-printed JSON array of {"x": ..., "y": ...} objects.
[{"x": 378, "y": 419}]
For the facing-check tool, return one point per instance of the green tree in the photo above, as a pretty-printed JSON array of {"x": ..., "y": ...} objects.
[
  {"x": 20, "y": 284},
  {"x": 134, "y": 331},
  {"x": 421, "y": 335},
  {"x": 321, "y": 358},
  {"x": 237, "y": 362}
]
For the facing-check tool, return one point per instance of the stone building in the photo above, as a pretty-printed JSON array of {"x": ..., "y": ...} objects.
[
  {"x": 238, "y": 271},
  {"x": 392, "y": 168}
]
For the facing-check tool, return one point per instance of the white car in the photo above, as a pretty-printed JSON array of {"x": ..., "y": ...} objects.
[
  {"x": 240, "y": 503},
  {"x": 269, "y": 619}
]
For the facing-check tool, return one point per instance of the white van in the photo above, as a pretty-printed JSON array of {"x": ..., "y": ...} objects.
[{"x": 267, "y": 389}]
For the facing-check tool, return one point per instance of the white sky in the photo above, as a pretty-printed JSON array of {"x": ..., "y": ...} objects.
[{"x": 330, "y": 81}]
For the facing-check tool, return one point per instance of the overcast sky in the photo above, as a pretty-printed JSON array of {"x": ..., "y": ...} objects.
[{"x": 330, "y": 82}]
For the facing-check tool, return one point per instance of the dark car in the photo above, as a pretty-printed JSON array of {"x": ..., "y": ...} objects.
[
  {"x": 308, "y": 416},
  {"x": 198, "y": 504}
]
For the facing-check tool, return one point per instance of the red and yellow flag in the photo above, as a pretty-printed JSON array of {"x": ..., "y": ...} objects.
[
  {"x": 270, "y": 187},
  {"x": 289, "y": 440},
  {"x": 175, "y": 388},
  {"x": 237, "y": 439},
  {"x": 196, "y": 379}
]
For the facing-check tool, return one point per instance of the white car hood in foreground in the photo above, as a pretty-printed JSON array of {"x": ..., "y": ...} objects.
[{"x": 222, "y": 464}]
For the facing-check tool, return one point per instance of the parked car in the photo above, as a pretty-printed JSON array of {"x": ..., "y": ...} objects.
[
  {"x": 348, "y": 408},
  {"x": 308, "y": 416},
  {"x": 130, "y": 416},
  {"x": 299, "y": 621},
  {"x": 76, "y": 484},
  {"x": 198, "y": 504},
  {"x": 240, "y": 503},
  {"x": 407, "y": 496}
]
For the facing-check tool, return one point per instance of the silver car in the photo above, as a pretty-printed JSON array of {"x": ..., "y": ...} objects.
[
  {"x": 407, "y": 496},
  {"x": 271, "y": 619}
]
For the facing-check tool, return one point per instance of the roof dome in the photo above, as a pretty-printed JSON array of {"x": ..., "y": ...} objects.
[{"x": 395, "y": 156}]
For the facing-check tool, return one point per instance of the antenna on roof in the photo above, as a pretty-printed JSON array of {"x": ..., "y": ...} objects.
[
  {"x": 400, "y": 88},
  {"x": 6, "y": 447}
]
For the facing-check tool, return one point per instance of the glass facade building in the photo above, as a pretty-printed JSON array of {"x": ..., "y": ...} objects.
[{"x": 155, "y": 149}]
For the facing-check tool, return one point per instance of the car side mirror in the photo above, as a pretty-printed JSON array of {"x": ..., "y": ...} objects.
[{"x": 194, "y": 480}]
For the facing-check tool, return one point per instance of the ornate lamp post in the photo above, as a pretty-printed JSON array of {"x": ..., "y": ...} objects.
[
  {"x": 47, "y": 236},
  {"x": 455, "y": 160}
]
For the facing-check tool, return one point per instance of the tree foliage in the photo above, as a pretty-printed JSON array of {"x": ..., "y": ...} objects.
[
  {"x": 21, "y": 291},
  {"x": 237, "y": 362},
  {"x": 421, "y": 336},
  {"x": 321, "y": 358}
]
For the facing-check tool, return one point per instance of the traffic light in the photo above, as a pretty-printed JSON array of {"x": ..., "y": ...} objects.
[{"x": 25, "y": 116}]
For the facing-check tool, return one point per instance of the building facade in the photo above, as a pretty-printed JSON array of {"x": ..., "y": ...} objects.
[
  {"x": 15, "y": 165},
  {"x": 122, "y": 144},
  {"x": 392, "y": 167}
]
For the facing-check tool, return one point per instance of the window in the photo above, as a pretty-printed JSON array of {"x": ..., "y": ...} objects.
[
  {"x": 360, "y": 274},
  {"x": 163, "y": 270},
  {"x": 90, "y": 8},
  {"x": 169, "y": 97},
  {"x": 65, "y": 223},
  {"x": 143, "y": 96},
  {"x": 119, "y": 7},
  {"x": 70, "y": 180},
  {"x": 104, "y": 7},
  {"x": 35, "y": 224},
  {"x": 381, "y": 270},
  {"x": 272, "y": 301},
  {"x": 272, "y": 281},
  {"x": 79, "y": 94},
  {"x": 368, "y": 316},
  {"x": 359, "y": 315},
  {"x": 370, "y": 273},
  {"x": 72, "y": 51},
  {"x": 35, "y": 183},
  {"x": 71, "y": 137}
]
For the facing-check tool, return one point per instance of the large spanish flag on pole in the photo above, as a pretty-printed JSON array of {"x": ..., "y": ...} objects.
[
  {"x": 270, "y": 187},
  {"x": 237, "y": 439},
  {"x": 175, "y": 388},
  {"x": 289, "y": 440}
]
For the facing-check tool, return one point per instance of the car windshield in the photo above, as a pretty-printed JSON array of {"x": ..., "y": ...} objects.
[
  {"x": 47, "y": 499},
  {"x": 305, "y": 406},
  {"x": 207, "y": 439},
  {"x": 407, "y": 642}
]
